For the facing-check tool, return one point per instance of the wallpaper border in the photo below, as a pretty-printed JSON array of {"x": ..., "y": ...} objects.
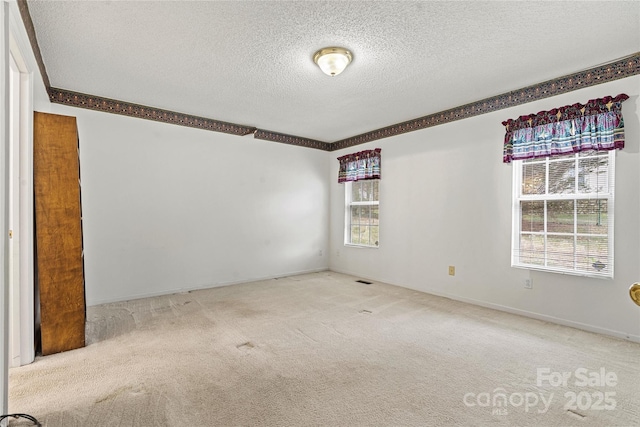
[
  {"x": 625, "y": 67},
  {"x": 618, "y": 69},
  {"x": 31, "y": 33},
  {"x": 291, "y": 139},
  {"x": 97, "y": 103}
]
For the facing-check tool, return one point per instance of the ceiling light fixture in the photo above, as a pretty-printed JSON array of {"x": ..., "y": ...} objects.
[{"x": 332, "y": 60}]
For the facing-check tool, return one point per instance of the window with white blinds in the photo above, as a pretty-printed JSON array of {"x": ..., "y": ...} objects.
[
  {"x": 362, "y": 205},
  {"x": 563, "y": 213}
]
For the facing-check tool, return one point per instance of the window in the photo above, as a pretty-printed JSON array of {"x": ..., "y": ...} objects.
[
  {"x": 362, "y": 200},
  {"x": 563, "y": 213}
]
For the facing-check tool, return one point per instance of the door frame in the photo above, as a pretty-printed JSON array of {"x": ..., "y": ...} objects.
[
  {"x": 22, "y": 321},
  {"x": 13, "y": 40}
]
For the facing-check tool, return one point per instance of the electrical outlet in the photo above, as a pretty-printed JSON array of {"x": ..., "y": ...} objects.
[
  {"x": 452, "y": 270},
  {"x": 320, "y": 252},
  {"x": 528, "y": 283}
]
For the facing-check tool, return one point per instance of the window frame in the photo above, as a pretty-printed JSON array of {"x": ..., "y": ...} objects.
[
  {"x": 348, "y": 204},
  {"x": 518, "y": 197}
]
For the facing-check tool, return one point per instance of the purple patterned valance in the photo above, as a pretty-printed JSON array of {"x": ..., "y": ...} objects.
[
  {"x": 597, "y": 125},
  {"x": 359, "y": 166}
]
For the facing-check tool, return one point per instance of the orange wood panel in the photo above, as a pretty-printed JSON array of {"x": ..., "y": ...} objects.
[{"x": 58, "y": 232}]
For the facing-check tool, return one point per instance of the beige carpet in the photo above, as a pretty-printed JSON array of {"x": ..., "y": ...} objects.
[{"x": 324, "y": 350}]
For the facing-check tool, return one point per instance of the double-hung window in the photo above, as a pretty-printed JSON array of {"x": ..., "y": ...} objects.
[
  {"x": 362, "y": 201},
  {"x": 563, "y": 186},
  {"x": 360, "y": 172},
  {"x": 563, "y": 213}
]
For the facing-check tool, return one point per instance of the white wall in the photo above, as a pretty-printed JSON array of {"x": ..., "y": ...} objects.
[
  {"x": 169, "y": 208},
  {"x": 446, "y": 200}
]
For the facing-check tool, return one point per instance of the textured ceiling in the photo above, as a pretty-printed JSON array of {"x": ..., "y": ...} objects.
[{"x": 250, "y": 62}]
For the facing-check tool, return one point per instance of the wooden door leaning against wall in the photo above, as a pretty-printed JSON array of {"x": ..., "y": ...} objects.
[{"x": 58, "y": 230}]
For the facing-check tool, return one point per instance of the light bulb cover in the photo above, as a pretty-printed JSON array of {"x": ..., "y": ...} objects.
[{"x": 332, "y": 60}]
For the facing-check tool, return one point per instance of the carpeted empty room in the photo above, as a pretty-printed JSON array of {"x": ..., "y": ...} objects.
[
  {"x": 323, "y": 349},
  {"x": 319, "y": 213}
]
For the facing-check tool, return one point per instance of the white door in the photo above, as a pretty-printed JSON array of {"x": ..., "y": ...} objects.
[
  {"x": 14, "y": 214},
  {"x": 21, "y": 293}
]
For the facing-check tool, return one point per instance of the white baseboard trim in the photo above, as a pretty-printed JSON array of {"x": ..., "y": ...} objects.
[
  {"x": 547, "y": 318},
  {"x": 91, "y": 303},
  {"x": 512, "y": 310}
]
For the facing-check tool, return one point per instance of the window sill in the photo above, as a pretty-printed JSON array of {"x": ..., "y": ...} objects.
[
  {"x": 351, "y": 245},
  {"x": 564, "y": 272}
]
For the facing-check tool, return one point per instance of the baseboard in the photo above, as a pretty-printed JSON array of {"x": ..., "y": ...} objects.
[
  {"x": 547, "y": 318},
  {"x": 512, "y": 310},
  {"x": 91, "y": 303}
]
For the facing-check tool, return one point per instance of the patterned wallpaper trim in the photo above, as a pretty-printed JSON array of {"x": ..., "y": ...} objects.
[
  {"x": 75, "y": 99},
  {"x": 625, "y": 67},
  {"x": 31, "y": 33},
  {"x": 293, "y": 140}
]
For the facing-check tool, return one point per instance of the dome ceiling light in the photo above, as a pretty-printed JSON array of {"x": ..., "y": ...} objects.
[{"x": 332, "y": 60}]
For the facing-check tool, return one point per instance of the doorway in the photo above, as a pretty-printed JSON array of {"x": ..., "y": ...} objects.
[{"x": 21, "y": 254}]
